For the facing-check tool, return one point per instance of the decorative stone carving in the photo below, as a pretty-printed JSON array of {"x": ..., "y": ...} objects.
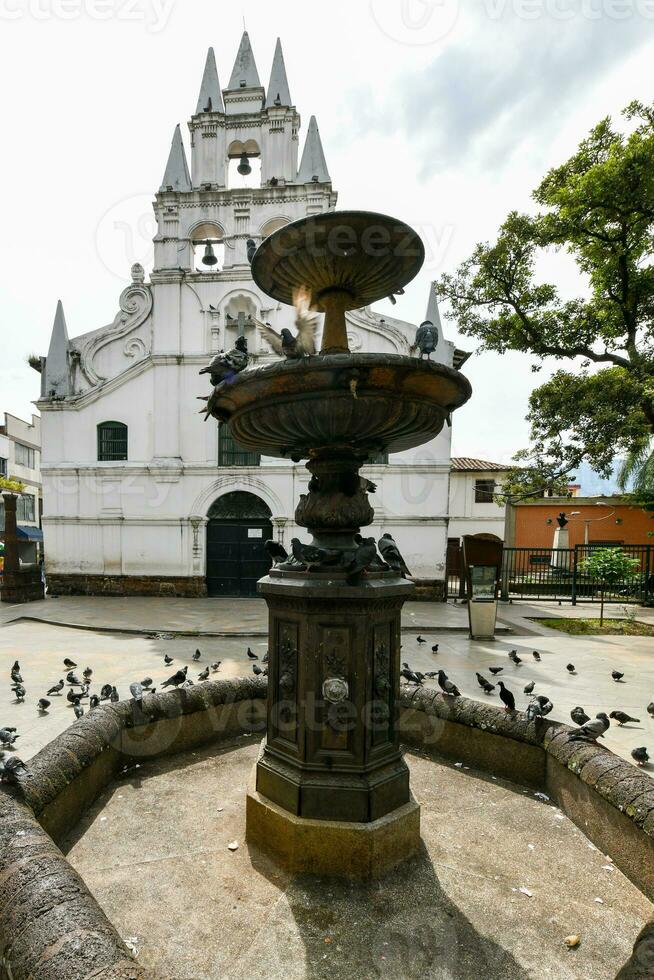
[{"x": 135, "y": 308}]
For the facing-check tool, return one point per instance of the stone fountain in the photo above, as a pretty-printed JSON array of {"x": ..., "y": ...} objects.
[{"x": 331, "y": 793}]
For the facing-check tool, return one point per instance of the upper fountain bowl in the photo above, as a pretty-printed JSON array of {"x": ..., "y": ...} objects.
[{"x": 361, "y": 255}]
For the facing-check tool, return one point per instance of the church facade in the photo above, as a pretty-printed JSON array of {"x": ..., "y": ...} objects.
[{"x": 141, "y": 495}]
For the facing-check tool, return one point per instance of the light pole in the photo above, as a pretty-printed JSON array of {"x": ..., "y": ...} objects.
[{"x": 589, "y": 520}]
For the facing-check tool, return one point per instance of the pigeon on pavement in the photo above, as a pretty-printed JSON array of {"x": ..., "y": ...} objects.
[
  {"x": 43, "y": 704},
  {"x": 528, "y": 689},
  {"x": 216, "y": 666},
  {"x": 204, "y": 674},
  {"x": 640, "y": 755},
  {"x": 197, "y": 655},
  {"x": 495, "y": 670},
  {"x": 251, "y": 655},
  {"x": 650, "y": 709},
  {"x": 616, "y": 675},
  {"x": 69, "y": 664},
  {"x": 57, "y": 688},
  {"x": 536, "y": 656},
  {"x": 168, "y": 660},
  {"x": 623, "y": 718},
  {"x": 570, "y": 668}
]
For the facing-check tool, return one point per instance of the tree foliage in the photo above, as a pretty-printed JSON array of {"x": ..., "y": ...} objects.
[
  {"x": 599, "y": 207},
  {"x": 608, "y": 566}
]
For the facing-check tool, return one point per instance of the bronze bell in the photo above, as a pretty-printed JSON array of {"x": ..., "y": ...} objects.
[
  {"x": 244, "y": 167},
  {"x": 209, "y": 257}
]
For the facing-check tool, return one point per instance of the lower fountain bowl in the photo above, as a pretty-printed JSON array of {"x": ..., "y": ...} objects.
[{"x": 358, "y": 403}]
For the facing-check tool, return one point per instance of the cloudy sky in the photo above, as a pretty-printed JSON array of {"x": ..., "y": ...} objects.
[{"x": 443, "y": 116}]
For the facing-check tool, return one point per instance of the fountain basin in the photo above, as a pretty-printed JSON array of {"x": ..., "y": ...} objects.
[{"x": 364, "y": 403}]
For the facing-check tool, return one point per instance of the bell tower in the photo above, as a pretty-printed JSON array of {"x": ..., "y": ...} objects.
[{"x": 244, "y": 181}]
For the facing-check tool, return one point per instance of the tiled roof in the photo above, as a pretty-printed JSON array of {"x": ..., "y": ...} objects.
[{"x": 476, "y": 465}]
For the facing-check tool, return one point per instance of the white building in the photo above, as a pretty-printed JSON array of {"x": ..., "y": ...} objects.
[
  {"x": 473, "y": 509},
  {"x": 20, "y": 459},
  {"x": 140, "y": 494}
]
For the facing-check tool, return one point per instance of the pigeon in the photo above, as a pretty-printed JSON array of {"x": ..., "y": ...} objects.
[
  {"x": 392, "y": 555},
  {"x": 420, "y": 639},
  {"x": 623, "y": 718},
  {"x": 197, "y": 655},
  {"x": 304, "y": 343},
  {"x": 447, "y": 686},
  {"x": 410, "y": 675},
  {"x": 94, "y": 702},
  {"x": 650, "y": 709},
  {"x": 257, "y": 670},
  {"x": 11, "y": 768},
  {"x": 426, "y": 339},
  {"x": 251, "y": 247},
  {"x": 57, "y": 688},
  {"x": 69, "y": 664},
  {"x": 579, "y": 716},
  {"x": 264, "y": 659},
  {"x": 616, "y": 675},
  {"x": 434, "y": 649},
  {"x": 43, "y": 704},
  {"x": 307, "y": 554},
  {"x": 146, "y": 683},
  {"x": 87, "y": 673},
  {"x": 176, "y": 679},
  {"x": 224, "y": 367},
  {"x": 72, "y": 696},
  {"x": 481, "y": 680},
  {"x": 495, "y": 670},
  {"x": 570, "y": 668},
  {"x": 105, "y": 692},
  {"x": 19, "y": 692},
  {"x": 8, "y": 736},
  {"x": 204, "y": 674},
  {"x": 79, "y": 710},
  {"x": 16, "y": 666},
  {"x": 364, "y": 556},
  {"x": 216, "y": 666},
  {"x": 168, "y": 660},
  {"x": 114, "y": 697},
  {"x": 536, "y": 656},
  {"x": 545, "y": 704},
  {"x": 513, "y": 655},
  {"x": 593, "y": 730},
  {"x": 73, "y": 679},
  {"x": 136, "y": 690},
  {"x": 528, "y": 689},
  {"x": 640, "y": 756},
  {"x": 251, "y": 655},
  {"x": 276, "y": 551},
  {"x": 534, "y": 711},
  {"x": 506, "y": 697},
  {"x": 16, "y": 677}
]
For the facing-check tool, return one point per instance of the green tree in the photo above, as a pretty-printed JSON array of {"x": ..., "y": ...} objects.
[
  {"x": 599, "y": 207},
  {"x": 608, "y": 566}
]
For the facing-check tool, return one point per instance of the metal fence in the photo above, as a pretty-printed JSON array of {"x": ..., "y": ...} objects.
[{"x": 556, "y": 574}]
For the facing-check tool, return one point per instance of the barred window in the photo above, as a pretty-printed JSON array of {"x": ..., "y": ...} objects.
[
  {"x": 112, "y": 441},
  {"x": 484, "y": 490},
  {"x": 3, "y": 466},
  {"x": 231, "y": 454}
]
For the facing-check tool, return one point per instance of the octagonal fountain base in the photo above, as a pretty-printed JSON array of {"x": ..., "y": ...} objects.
[{"x": 331, "y": 847}]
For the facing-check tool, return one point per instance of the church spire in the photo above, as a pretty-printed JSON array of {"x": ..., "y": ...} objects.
[
  {"x": 210, "y": 98},
  {"x": 433, "y": 313},
  {"x": 176, "y": 177},
  {"x": 244, "y": 72},
  {"x": 313, "y": 166},
  {"x": 56, "y": 373},
  {"x": 278, "y": 91}
]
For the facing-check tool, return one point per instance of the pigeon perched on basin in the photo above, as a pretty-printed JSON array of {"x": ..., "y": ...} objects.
[
  {"x": 593, "y": 730},
  {"x": 364, "y": 556},
  {"x": 79, "y": 710},
  {"x": 534, "y": 711},
  {"x": 506, "y": 697},
  {"x": 276, "y": 551},
  {"x": 579, "y": 716},
  {"x": 226, "y": 366},
  {"x": 623, "y": 718},
  {"x": 306, "y": 321},
  {"x": 307, "y": 554},
  {"x": 410, "y": 675},
  {"x": 94, "y": 701},
  {"x": 392, "y": 555},
  {"x": 545, "y": 703},
  {"x": 11, "y": 768},
  {"x": 115, "y": 696},
  {"x": 105, "y": 692},
  {"x": 136, "y": 690},
  {"x": 447, "y": 686},
  {"x": 176, "y": 679}
]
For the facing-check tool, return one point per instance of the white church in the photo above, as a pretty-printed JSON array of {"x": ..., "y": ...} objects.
[{"x": 143, "y": 497}]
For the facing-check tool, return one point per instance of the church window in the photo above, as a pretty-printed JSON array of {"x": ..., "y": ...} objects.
[
  {"x": 231, "y": 454},
  {"x": 484, "y": 491},
  {"x": 112, "y": 441}
]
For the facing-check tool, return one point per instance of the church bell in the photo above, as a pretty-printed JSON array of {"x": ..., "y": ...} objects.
[
  {"x": 244, "y": 167},
  {"x": 209, "y": 257}
]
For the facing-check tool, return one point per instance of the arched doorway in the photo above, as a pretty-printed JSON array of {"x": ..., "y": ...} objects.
[{"x": 239, "y": 524}]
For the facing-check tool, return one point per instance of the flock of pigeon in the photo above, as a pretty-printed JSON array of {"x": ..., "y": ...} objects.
[
  {"x": 79, "y": 690},
  {"x": 589, "y": 730}
]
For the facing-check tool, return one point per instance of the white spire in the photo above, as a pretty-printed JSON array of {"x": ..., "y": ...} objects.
[
  {"x": 56, "y": 382},
  {"x": 278, "y": 90},
  {"x": 433, "y": 314},
  {"x": 313, "y": 163},
  {"x": 244, "y": 72},
  {"x": 176, "y": 177},
  {"x": 210, "y": 98}
]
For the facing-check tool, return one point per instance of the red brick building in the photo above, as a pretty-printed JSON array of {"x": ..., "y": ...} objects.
[{"x": 597, "y": 520}]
